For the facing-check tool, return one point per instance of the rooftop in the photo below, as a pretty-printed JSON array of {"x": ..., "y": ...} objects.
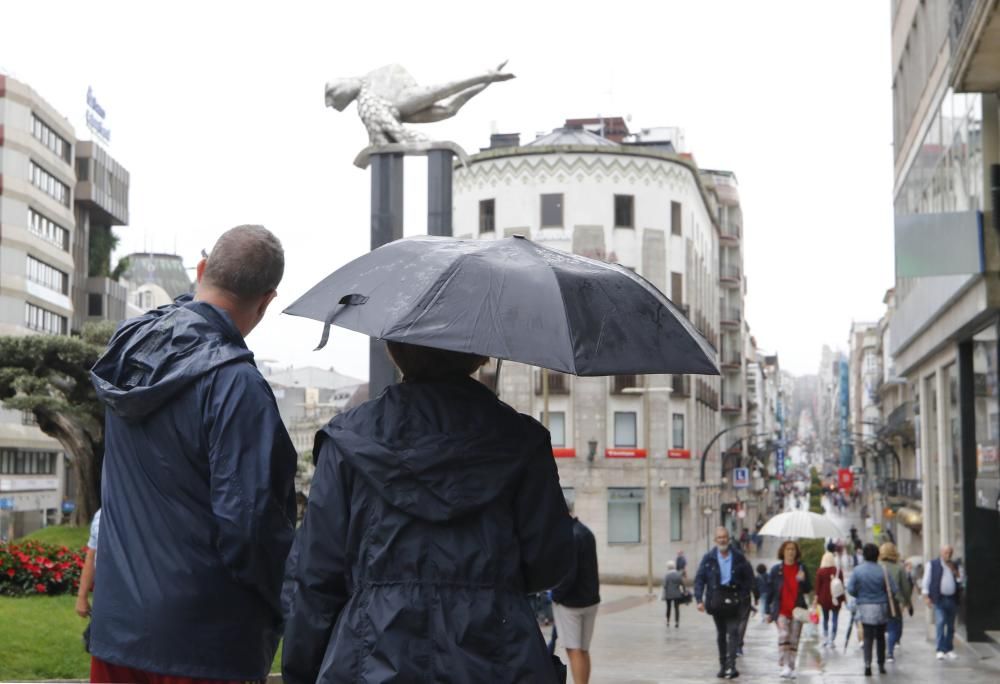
[{"x": 311, "y": 376}]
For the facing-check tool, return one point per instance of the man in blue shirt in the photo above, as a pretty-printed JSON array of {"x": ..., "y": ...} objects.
[{"x": 723, "y": 584}]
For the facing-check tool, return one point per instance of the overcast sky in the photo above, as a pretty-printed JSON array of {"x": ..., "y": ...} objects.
[{"x": 216, "y": 109}]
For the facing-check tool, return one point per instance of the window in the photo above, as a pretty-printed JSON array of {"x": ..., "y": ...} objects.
[
  {"x": 37, "y": 318},
  {"x": 43, "y": 274},
  {"x": 83, "y": 169},
  {"x": 552, "y": 211},
  {"x": 620, "y": 383},
  {"x": 625, "y": 515},
  {"x": 624, "y": 214},
  {"x": 47, "y": 230},
  {"x": 680, "y": 500},
  {"x": 675, "y": 218},
  {"x": 625, "y": 428},
  {"x": 678, "y": 430},
  {"x": 27, "y": 462},
  {"x": 95, "y": 304},
  {"x": 677, "y": 288},
  {"x": 487, "y": 216},
  {"x": 557, "y": 427},
  {"x": 48, "y": 137},
  {"x": 48, "y": 184}
]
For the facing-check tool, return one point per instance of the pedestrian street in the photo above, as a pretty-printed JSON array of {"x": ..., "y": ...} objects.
[{"x": 633, "y": 645}]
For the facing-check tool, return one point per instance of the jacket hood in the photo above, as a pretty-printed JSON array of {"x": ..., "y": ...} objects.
[
  {"x": 152, "y": 357},
  {"x": 437, "y": 450}
]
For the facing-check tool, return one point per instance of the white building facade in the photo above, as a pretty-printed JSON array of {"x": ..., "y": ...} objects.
[{"x": 649, "y": 211}]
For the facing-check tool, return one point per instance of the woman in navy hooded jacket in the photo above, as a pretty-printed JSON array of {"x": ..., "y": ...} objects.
[{"x": 434, "y": 510}]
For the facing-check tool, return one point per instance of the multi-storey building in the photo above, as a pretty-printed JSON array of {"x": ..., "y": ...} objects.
[
  {"x": 59, "y": 198},
  {"x": 944, "y": 326},
  {"x": 647, "y": 208}
]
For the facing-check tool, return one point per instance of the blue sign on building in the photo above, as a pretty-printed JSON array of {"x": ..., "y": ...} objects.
[
  {"x": 846, "y": 449},
  {"x": 6, "y": 504}
]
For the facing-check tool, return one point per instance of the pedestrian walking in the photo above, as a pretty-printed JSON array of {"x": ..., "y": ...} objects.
[
  {"x": 722, "y": 587},
  {"x": 830, "y": 597},
  {"x": 942, "y": 589},
  {"x": 575, "y": 602},
  {"x": 873, "y": 589},
  {"x": 745, "y": 541},
  {"x": 789, "y": 585},
  {"x": 889, "y": 558},
  {"x": 87, "y": 577},
  {"x": 673, "y": 592},
  {"x": 763, "y": 591},
  {"x": 682, "y": 563},
  {"x": 198, "y": 496},
  {"x": 435, "y": 509}
]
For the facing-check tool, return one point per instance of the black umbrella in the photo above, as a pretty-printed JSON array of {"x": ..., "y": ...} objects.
[{"x": 510, "y": 299}]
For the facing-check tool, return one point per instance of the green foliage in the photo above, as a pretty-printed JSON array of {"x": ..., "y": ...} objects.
[
  {"x": 120, "y": 269},
  {"x": 812, "y": 554},
  {"x": 49, "y": 375},
  {"x": 41, "y": 640},
  {"x": 73, "y": 537},
  {"x": 102, "y": 242}
]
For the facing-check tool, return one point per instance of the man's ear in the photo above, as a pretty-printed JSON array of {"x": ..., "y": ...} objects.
[
  {"x": 200, "y": 269},
  {"x": 265, "y": 302}
]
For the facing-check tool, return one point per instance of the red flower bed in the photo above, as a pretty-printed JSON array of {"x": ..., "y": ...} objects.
[{"x": 36, "y": 568}]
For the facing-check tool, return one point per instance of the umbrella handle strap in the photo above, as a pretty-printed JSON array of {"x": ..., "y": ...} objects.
[{"x": 346, "y": 300}]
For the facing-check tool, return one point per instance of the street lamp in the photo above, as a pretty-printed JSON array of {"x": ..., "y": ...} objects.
[{"x": 647, "y": 422}]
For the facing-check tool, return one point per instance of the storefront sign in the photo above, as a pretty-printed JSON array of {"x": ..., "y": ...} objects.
[
  {"x": 6, "y": 504},
  {"x": 622, "y": 452},
  {"x": 987, "y": 462},
  {"x": 845, "y": 479},
  {"x": 678, "y": 453},
  {"x": 564, "y": 452},
  {"x": 741, "y": 478},
  {"x": 629, "y": 494}
]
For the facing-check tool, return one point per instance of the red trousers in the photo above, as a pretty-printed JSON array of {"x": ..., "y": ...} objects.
[{"x": 101, "y": 671}]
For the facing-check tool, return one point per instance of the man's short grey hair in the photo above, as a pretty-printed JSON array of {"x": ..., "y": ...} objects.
[{"x": 246, "y": 261}]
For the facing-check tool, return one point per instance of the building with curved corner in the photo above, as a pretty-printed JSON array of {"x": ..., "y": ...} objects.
[{"x": 648, "y": 208}]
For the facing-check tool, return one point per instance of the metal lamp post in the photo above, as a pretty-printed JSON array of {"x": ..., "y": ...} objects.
[{"x": 647, "y": 424}]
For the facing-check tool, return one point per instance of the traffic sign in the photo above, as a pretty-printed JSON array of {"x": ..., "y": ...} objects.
[{"x": 741, "y": 478}]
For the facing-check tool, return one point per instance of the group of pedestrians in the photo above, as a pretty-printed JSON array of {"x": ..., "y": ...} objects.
[{"x": 435, "y": 509}]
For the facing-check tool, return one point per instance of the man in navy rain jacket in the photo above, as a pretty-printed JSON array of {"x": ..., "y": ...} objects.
[{"x": 198, "y": 502}]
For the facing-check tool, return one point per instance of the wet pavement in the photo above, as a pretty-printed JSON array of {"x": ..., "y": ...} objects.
[{"x": 632, "y": 643}]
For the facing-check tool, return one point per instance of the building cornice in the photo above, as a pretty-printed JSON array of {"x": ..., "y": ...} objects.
[{"x": 602, "y": 150}]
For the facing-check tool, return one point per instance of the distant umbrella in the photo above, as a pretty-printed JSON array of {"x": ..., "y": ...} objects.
[
  {"x": 800, "y": 525},
  {"x": 510, "y": 299}
]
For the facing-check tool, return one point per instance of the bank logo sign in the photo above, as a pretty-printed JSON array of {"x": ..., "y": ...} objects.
[{"x": 97, "y": 118}]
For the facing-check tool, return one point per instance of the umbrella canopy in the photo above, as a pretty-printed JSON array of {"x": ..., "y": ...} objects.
[
  {"x": 800, "y": 525},
  {"x": 510, "y": 299}
]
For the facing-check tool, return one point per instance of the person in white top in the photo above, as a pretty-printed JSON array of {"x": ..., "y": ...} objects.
[{"x": 942, "y": 588}]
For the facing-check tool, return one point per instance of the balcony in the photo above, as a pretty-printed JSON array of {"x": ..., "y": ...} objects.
[
  {"x": 558, "y": 382},
  {"x": 729, "y": 315},
  {"x": 729, "y": 231},
  {"x": 974, "y": 32},
  {"x": 729, "y": 274},
  {"x": 731, "y": 362},
  {"x": 619, "y": 383},
  {"x": 732, "y": 402}
]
